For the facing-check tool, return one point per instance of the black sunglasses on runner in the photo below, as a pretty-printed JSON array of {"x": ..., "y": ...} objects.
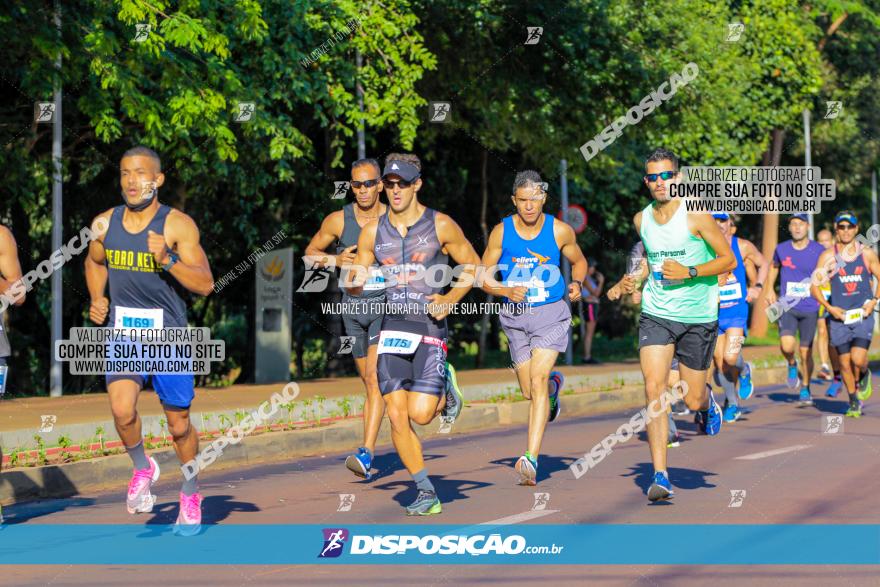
[
  {"x": 664, "y": 175},
  {"x": 401, "y": 182},
  {"x": 845, "y": 226},
  {"x": 356, "y": 185}
]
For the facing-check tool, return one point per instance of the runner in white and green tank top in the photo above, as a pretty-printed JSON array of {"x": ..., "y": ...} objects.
[
  {"x": 685, "y": 254},
  {"x": 690, "y": 301}
]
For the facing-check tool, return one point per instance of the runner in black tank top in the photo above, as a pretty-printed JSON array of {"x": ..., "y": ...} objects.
[
  {"x": 362, "y": 314},
  {"x": 13, "y": 293},
  {"x": 409, "y": 242},
  {"x": 150, "y": 255},
  {"x": 851, "y": 307}
]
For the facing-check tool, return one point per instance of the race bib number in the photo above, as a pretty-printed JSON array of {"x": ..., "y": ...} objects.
[
  {"x": 375, "y": 281},
  {"x": 138, "y": 318},
  {"x": 397, "y": 342},
  {"x": 797, "y": 289},
  {"x": 852, "y": 316},
  {"x": 537, "y": 292},
  {"x": 730, "y": 292},
  {"x": 657, "y": 274}
]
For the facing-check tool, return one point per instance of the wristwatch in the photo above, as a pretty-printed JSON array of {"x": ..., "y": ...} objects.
[
  {"x": 759, "y": 285},
  {"x": 172, "y": 259},
  {"x": 692, "y": 271}
]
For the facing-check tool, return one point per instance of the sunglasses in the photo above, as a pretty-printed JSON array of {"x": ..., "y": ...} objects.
[
  {"x": 664, "y": 175},
  {"x": 845, "y": 226},
  {"x": 369, "y": 183},
  {"x": 401, "y": 182}
]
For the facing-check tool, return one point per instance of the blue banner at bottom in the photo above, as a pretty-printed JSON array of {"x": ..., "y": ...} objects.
[{"x": 96, "y": 544}]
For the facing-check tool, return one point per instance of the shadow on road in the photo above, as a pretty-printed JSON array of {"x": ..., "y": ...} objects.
[
  {"x": 547, "y": 465},
  {"x": 448, "y": 490},
  {"x": 215, "y": 508},
  {"x": 385, "y": 465},
  {"x": 643, "y": 474}
]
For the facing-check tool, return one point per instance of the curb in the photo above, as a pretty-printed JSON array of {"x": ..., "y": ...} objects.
[{"x": 89, "y": 476}]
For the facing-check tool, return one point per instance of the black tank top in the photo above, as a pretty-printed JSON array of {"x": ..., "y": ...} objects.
[
  {"x": 414, "y": 268},
  {"x": 351, "y": 232},
  {"x": 136, "y": 281},
  {"x": 851, "y": 284},
  {"x": 5, "y": 348}
]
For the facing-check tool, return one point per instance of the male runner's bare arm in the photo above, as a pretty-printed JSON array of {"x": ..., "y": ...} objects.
[
  {"x": 96, "y": 271},
  {"x": 486, "y": 278},
  {"x": 451, "y": 237},
  {"x": 10, "y": 268},
  {"x": 330, "y": 232},
  {"x": 627, "y": 283},
  {"x": 354, "y": 278},
  {"x": 755, "y": 256},
  {"x": 707, "y": 229},
  {"x": 770, "y": 284},
  {"x": 825, "y": 266},
  {"x": 192, "y": 270},
  {"x": 874, "y": 267},
  {"x": 568, "y": 246}
]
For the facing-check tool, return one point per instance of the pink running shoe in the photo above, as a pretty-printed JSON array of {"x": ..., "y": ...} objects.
[
  {"x": 139, "y": 499},
  {"x": 189, "y": 520}
]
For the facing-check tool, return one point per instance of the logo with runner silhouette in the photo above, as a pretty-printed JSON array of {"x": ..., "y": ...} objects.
[{"x": 334, "y": 541}]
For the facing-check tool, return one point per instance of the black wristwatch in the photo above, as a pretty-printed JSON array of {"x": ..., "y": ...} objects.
[
  {"x": 692, "y": 271},
  {"x": 759, "y": 285}
]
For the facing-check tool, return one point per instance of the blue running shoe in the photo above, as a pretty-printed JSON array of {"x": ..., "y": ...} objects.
[
  {"x": 661, "y": 488},
  {"x": 555, "y": 404},
  {"x": 793, "y": 380},
  {"x": 745, "y": 382},
  {"x": 360, "y": 463},
  {"x": 805, "y": 399},
  {"x": 731, "y": 413},
  {"x": 712, "y": 418},
  {"x": 834, "y": 388}
]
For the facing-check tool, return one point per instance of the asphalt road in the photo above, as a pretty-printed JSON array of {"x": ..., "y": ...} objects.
[{"x": 790, "y": 471}]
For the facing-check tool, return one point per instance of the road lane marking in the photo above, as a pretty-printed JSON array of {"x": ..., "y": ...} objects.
[
  {"x": 772, "y": 453},
  {"x": 523, "y": 517}
]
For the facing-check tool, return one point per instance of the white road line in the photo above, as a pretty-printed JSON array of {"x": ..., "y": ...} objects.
[
  {"x": 773, "y": 453},
  {"x": 523, "y": 517}
]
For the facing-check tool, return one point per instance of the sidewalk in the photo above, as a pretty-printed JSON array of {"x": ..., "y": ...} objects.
[{"x": 80, "y": 417}]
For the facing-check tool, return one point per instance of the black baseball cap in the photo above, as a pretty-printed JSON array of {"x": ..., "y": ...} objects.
[{"x": 406, "y": 171}]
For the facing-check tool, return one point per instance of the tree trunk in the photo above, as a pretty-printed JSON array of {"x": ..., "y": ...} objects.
[{"x": 769, "y": 239}]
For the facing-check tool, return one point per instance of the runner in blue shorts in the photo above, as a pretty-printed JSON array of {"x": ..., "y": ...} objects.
[
  {"x": 734, "y": 297},
  {"x": 526, "y": 248},
  {"x": 150, "y": 257},
  {"x": 851, "y": 307}
]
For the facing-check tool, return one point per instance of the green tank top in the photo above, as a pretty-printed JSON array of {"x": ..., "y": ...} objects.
[{"x": 689, "y": 301}]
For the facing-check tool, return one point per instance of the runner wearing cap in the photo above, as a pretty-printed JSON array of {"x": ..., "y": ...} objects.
[
  {"x": 795, "y": 260},
  {"x": 849, "y": 265},
  {"x": 527, "y": 247},
  {"x": 410, "y": 241},
  {"x": 734, "y": 297},
  {"x": 827, "y": 352},
  {"x": 685, "y": 254}
]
